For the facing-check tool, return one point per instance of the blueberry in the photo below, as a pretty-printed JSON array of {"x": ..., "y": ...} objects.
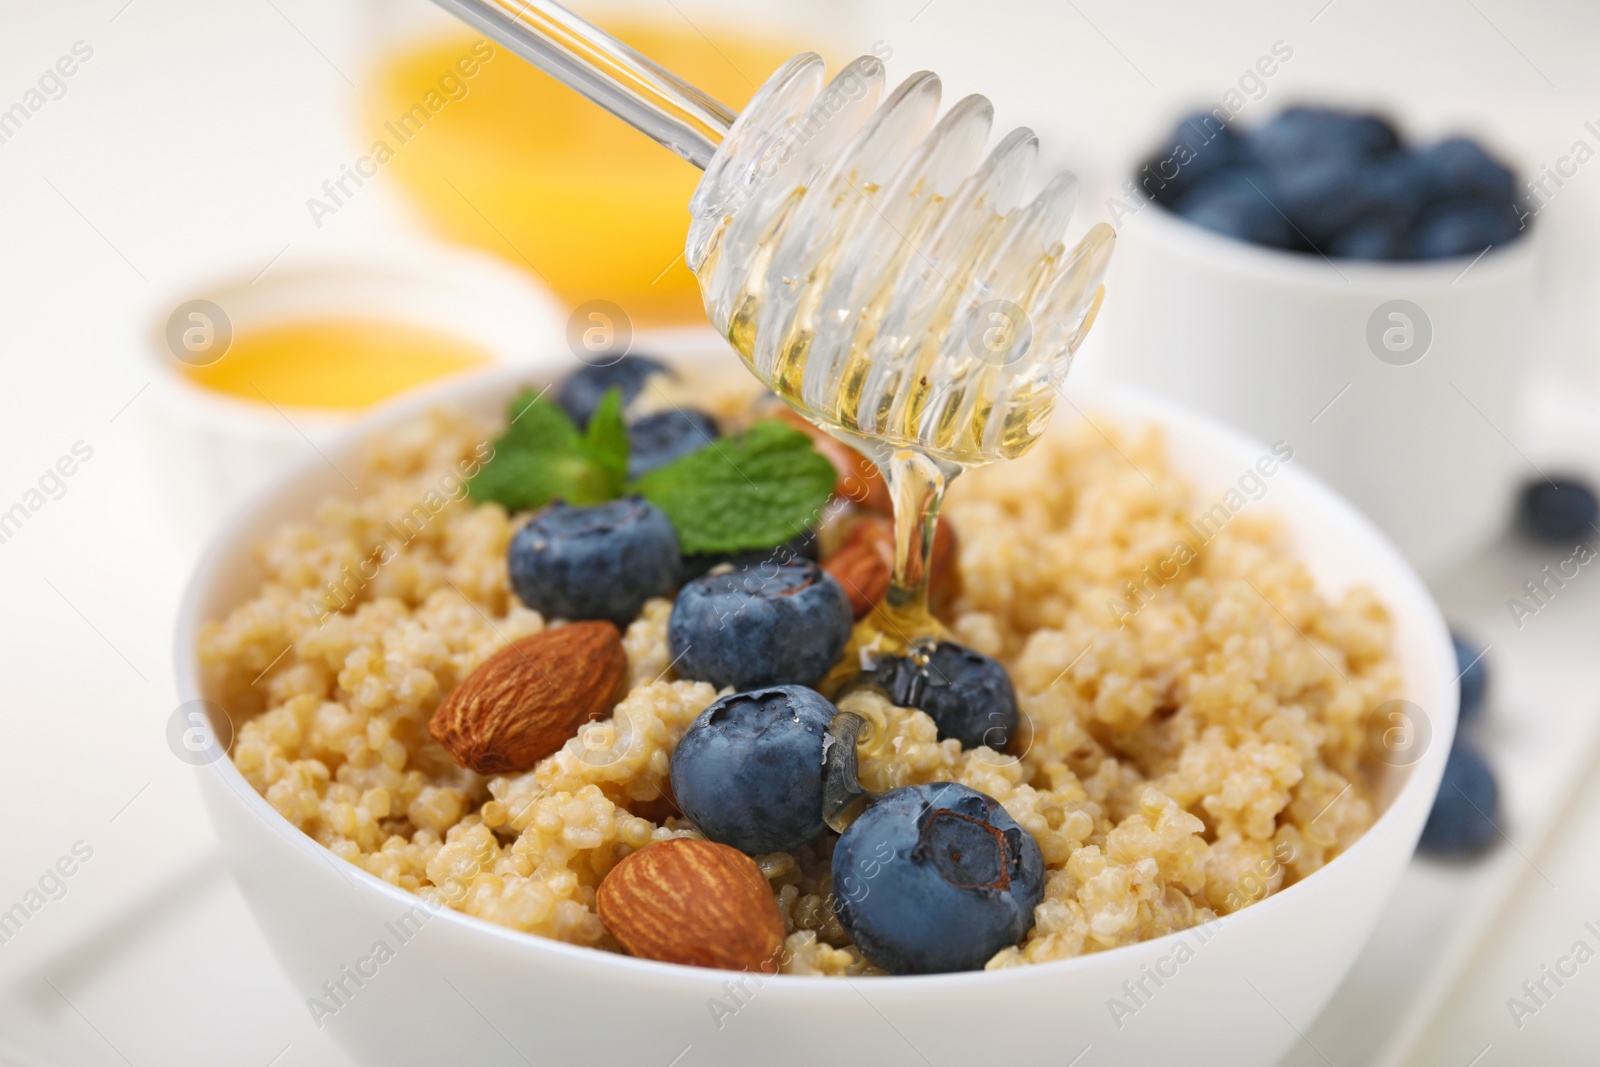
[
  {"x": 598, "y": 562},
  {"x": 1238, "y": 204},
  {"x": 1462, "y": 821},
  {"x": 935, "y": 878},
  {"x": 1299, "y": 135},
  {"x": 801, "y": 546},
  {"x": 580, "y": 394},
  {"x": 748, "y": 771},
  {"x": 1327, "y": 198},
  {"x": 1473, "y": 671},
  {"x": 1461, "y": 168},
  {"x": 771, "y": 624},
  {"x": 1201, "y": 145},
  {"x": 1378, "y": 239},
  {"x": 1464, "y": 228},
  {"x": 968, "y": 695},
  {"x": 1322, "y": 197},
  {"x": 657, "y": 439},
  {"x": 1559, "y": 510}
]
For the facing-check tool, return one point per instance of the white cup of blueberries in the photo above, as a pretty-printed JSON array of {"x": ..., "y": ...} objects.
[{"x": 1322, "y": 280}]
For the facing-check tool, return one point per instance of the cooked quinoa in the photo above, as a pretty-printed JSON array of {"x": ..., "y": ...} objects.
[{"x": 1189, "y": 745}]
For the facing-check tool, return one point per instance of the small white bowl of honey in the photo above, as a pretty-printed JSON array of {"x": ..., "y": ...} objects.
[{"x": 257, "y": 368}]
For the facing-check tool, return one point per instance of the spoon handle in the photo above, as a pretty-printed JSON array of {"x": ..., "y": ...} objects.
[{"x": 654, "y": 101}]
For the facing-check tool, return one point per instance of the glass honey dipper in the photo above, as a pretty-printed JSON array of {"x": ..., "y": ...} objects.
[{"x": 870, "y": 263}]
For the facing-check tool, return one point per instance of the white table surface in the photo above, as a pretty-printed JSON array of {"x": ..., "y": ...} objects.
[{"x": 194, "y": 135}]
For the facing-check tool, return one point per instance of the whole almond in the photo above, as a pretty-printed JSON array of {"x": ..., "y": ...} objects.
[
  {"x": 523, "y": 702},
  {"x": 859, "y": 480},
  {"x": 865, "y": 561},
  {"x": 694, "y": 902},
  {"x": 864, "y": 571}
]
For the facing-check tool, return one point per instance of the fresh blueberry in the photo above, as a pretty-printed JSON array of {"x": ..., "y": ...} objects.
[
  {"x": 598, "y": 562},
  {"x": 1559, "y": 510},
  {"x": 657, "y": 439},
  {"x": 1378, "y": 239},
  {"x": 1298, "y": 135},
  {"x": 1461, "y": 168},
  {"x": 1464, "y": 228},
  {"x": 1327, "y": 198},
  {"x": 968, "y": 695},
  {"x": 801, "y": 546},
  {"x": 580, "y": 394},
  {"x": 1322, "y": 197},
  {"x": 1473, "y": 671},
  {"x": 935, "y": 878},
  {"x": 1462, "y": 821},
  {"x": 1238, "y": 204},
  {"x": 770, "y": 624},
  {"x": 1201, "y": 145},
  {"x": 748, "y": 771}
]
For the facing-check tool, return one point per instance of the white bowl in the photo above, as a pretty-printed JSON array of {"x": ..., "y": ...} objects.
[
  {"x": 461, "y": 990},
  {"x": 217, "y": 449},
  {"x": 1283, "y": 345}
]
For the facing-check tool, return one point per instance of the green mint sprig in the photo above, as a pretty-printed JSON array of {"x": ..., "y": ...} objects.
[
  {"x": 543, "y": 456},
  {"x": 751, "y": 491}
]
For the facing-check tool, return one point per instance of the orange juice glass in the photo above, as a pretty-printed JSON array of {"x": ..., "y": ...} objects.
[{"x": 508, "y": 159}]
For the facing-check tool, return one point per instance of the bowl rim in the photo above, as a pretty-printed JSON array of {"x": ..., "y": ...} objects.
[{"x": 1404, "y": 586}]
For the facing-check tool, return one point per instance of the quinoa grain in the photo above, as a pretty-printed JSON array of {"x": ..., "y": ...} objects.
[{"x": 1175, "y": 763}]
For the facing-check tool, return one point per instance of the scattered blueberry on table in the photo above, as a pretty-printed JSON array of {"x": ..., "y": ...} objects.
[
  {"x": 968, "y": 695},
  {"x": 935, "y": 878},
  {"x": 1473, "y": 670},
  {"x": 597, "y": 562},
  {"x": 1462, "y": 822},
  {"x": 764, "y": 625},
  {"x": 1559, "y": 510},
  {"x": 580, "y": 394},
  {"x": 748, "y": 770},
  {"x": 1336, "y": 183}
]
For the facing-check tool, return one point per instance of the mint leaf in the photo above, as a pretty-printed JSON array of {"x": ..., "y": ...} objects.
[
  {"x": 534, "y": 424},
  {"x": 752, "y": 491},
  {"x": 520, "y": 480},
  {"x": 542, "y": 456},
  {"x": 606, "y": 440}
]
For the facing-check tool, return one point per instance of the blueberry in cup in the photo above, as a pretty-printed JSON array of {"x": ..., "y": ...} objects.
[{"x": 1339, "y": 184}]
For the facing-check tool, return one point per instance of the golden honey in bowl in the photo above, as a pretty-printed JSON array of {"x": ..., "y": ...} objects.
[
  {"x": 513, "y": 162},
  {"x": 336, "y": 364}
]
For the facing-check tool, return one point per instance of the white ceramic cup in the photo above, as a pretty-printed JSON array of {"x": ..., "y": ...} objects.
[
  {"x": 1395, "y": 382},
  {"x": 216, "y": 449},
  {"x": 457, "y": 990}
]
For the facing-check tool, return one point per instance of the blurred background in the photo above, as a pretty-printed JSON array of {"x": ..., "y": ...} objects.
[{"x": 181, "y": 179}]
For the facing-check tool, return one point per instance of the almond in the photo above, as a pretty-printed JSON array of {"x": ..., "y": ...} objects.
[
  {"x": 695, "y": 902},
  {"x": 859, "y": 479},
  {"x": 523, "y": 702},
  {"x": 865, "y": 561},
  {"x": 864, "y": 572}
]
